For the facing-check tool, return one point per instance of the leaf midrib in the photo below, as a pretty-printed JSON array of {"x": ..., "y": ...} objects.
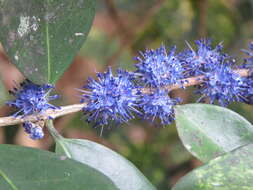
[
  {"x": 8, "y": 180},
  {"x": 48, "y": 46}
]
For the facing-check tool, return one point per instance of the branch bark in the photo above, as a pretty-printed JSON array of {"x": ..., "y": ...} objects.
[{"x": 65, "y": 110}]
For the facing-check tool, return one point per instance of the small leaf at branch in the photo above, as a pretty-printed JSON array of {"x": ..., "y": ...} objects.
[
  {"x": 208, "y": 131},
  {"x": 122, "y": 172}
]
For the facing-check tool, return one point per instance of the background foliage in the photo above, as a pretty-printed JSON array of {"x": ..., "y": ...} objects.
[{"x": 122, "y": 28}]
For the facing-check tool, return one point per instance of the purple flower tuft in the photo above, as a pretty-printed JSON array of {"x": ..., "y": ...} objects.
[
  {"x": 159, "y": 105},
  {"x": 249, "y": 61},
  {"x": 35, "y": 132},
  {"x": 223, "y": 85},
  {"x": 205, "y": 59},
  {"x": 158, "y": 67},
  {"x": 28, "y": 127},
  {"x": 247, "y": 94},
  {"x": 110, "y": 98},
  {"x": 32, "y": 98}
]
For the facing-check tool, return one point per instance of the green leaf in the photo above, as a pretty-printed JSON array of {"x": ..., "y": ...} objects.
[
  {"x": 208, "y": 131},
  {"x": 122, "y": 172},
  {"x": 233, "y": 171},
  {"x": 27, "y": 168},
  {"x": 42, "y": 37}
]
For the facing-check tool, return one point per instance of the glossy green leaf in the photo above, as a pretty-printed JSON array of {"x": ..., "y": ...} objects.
[
  {"x": 122, "y": 172},
  {"x": 42, "y": 37},
  {"x": 27, "y": 169},
  {"x": 233, "y": 171},
  {"x": 208, "y": 131}
]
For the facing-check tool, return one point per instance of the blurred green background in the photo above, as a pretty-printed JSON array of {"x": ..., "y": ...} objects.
[{"x": 121, "y": 29}]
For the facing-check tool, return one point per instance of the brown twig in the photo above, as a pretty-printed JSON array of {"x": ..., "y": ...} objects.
[
  {"x": 130, "y": 36},
  {"x": 144, "y": 21},
  {"x": 202, "y": 9},
  {"x": 115, "y": 16},
  {"x": 4, "y": 121},
  {"x": 65, "y": 110}
]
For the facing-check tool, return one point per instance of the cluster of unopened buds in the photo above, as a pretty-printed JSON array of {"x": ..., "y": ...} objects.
[{"x": 145, "y": 92}]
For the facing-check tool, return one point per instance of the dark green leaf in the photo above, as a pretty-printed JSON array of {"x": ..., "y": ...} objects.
[
  {"x": 233, "y": 171},
  {"x": 32, "y": 169},
  {"x": 42, "y": 37},
  {"x": 122, "y": 172},
  {"x": 208, "y": 131}
]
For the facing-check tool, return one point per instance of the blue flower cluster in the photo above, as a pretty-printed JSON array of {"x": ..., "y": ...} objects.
[
  {"x": 111, "y": 98},
  {"x": 204, "y": 59},
  {"x": 145, "y": 91},
  {"x": 35, "y": 132},
  {"x": 222, "y": 84},
  {"x": 158, "y": 67},
  {"x": 29, "y": 99},
  {"x": 115, "y": 99},
  {"x": 118, "y": 98},
  {"x": 247, "y": 96},
  {"x": 158, "y": 104},
  {"x": 250, "y": 54}
]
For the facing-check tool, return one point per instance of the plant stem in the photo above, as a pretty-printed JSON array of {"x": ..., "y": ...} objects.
[
  {"x": 65, "y": 110},
  {"x": 57, "y": 137},
  {"x": 55, "y": 134}
]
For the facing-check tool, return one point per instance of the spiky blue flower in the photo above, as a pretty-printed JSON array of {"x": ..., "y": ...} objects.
[
  {"x": 28, "y": 127},
  {"x": 249, "y": 61},
  {"x": 247, "y": 93},
  {"x": 204, "y": 59},
  {"x": 222, "y": 85},
  {"x": 158, "y": 104},
  {"x": 35, "y": 132},
  {"x": 158, "y": 67},
  {"x": 250, "y": 51},
  {"x": 110, "y": 99},
  {"x": 32, "y": 98}
]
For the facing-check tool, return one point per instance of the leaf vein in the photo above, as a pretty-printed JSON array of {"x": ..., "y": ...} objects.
[
  {"x": 48, "y": 48},
  {"x": 8, "y": 180}
]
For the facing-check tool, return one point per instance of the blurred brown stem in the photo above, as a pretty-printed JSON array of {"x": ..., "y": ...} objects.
[
  {"x": 128, "y": 37},
  {"x": 202, "y": 12},
  {"x": 113, "y": 13}
]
